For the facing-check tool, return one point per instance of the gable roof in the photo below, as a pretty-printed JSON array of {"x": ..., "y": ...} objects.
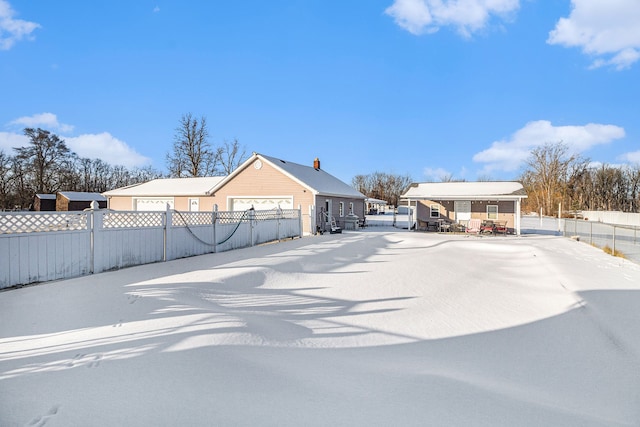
[
  {"x": 80, "y": 196},
  {"x": 196, "y": 186},
  {"x": 316, "y": 180},
  {"x": 493, "y": 190},
  {"x": 46, "y": 196}
]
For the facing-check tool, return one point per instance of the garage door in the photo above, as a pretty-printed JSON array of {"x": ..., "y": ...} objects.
[
  {"x": 152, "y": 204},
  {"x": 260, "y": 203}
]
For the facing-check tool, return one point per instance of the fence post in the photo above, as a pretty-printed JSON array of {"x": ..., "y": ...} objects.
[
  {"x": 167, "y": 232},
  {"x": 252, "y": 216},
  {"x": 214, "y": 219},
  {"x": 591, "y": 232},
  {"x": 614, "y": 241}
]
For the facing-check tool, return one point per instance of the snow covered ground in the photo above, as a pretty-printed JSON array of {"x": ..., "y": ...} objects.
[{"x": 373, "y": 328}]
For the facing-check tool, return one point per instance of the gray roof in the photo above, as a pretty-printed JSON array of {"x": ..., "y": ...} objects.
[
  {"x": 194, "y": 186},
  {"x": 46, "y": 196},
  {"x": 79, "y": 196},
  {"x": 493, "y": 190},
  {"x": 317, "y": 180}
]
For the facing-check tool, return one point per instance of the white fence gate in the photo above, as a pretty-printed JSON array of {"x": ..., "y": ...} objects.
[{"x": 43, "y": 246}]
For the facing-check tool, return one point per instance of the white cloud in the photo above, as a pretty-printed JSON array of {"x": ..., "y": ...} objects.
[
  {"x": 13, "y": 30},
  {"x": 103, "y": 145},
  {"x": 608, "y": 30},
  {"x": 8, "y": 140},
  {"x": 632, "y": 157},
  {"x": 48, "y": 121},
  {"x": 509, "y": 155},
  {"x": 468, "y": 16},
  {"x": 435, "y": 174},
  {"x": 156, "y": 9},
  {"x": 107, "y": 148}
]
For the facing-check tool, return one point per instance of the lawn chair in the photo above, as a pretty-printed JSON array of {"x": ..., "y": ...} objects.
[
  {"x": 487, "y": 227},
  {"x": 473, "y": 226},
  {"x": 501, "y": 227}
]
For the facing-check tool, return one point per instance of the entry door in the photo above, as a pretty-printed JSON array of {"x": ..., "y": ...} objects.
[
  {"x": 328, "y": 205},
  {"x": 463, "y": 210}
]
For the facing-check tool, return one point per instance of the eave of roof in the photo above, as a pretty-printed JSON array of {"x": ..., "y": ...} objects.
[{"x": 486, "y": 190}]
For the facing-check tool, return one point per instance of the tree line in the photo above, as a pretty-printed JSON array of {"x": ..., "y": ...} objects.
[
  {"x": 46, "y": 165},
  {"x": 383, "y": 186},
  {"x": 556, "y": 178}
]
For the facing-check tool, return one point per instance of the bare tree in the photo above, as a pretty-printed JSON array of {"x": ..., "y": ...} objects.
[
  {"x": 548, "y": 174},
  {"x": 383, "y": 186},
  {"x": 191, "y": 154},
  {"x": 44, "y": 158},
  {"x": 231, "y": 155}
]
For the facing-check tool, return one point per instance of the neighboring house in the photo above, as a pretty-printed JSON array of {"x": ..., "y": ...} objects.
[
  {"x": 183, "y": 194},
  {"x": 44, "y": 202},
  {"x": 77, "y": 200},
  {"x": 461, "y": 201},
  {"x": 264, "y": 182}
]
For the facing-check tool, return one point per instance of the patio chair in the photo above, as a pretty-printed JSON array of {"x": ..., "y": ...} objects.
[
  {"x": 501, "y": 227},
  {"x": 487, "y": 227},
  {"x": 422, "y": 225},
  {"x": 474, "y": 226}
]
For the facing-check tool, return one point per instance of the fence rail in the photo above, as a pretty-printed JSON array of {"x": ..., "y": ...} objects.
[
  {"x": 38, "y": 247},
  {"x": 620, "y": 239},
  {"x": 623, "y": 239}
]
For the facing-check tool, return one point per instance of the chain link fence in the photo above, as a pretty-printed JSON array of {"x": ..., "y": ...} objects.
[{"x": 622, "y": 240}]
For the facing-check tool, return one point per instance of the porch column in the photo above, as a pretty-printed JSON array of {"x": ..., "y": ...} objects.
[{"x": 517, "y": 224}]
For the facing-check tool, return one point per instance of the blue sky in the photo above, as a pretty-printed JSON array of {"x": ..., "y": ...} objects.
[{"x": 428, "y": 88}]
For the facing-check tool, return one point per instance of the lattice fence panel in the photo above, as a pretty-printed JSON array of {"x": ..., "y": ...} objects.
[
  {"x": 133, "y": 219},
  {"x": 41, "y": 222},
  {"x": 181, "y": 219},
  {"x": 231, "y": 217}
]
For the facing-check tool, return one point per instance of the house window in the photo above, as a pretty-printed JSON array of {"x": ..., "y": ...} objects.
[
  {"x": 492, "y": 211},
  {"x": 351, "y": 208},
  {"x": 341, "y": 214},
  {"x": 435, "y": 211}
]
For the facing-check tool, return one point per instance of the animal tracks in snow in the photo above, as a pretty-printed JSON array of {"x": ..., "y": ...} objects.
[
  {"x": 43, "y": 419},
  {"x": 132, "y": 298},
  {"x": 88, "y": 360}
]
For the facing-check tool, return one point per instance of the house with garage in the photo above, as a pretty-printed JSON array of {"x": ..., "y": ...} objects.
[
  {"x": 459, "y": 202},
  {"x": 183, "y": 194},
  {"x": 264, "y": 182}
]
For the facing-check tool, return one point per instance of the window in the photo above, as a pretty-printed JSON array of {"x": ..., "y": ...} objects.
[
  {"x": 435, "y": 211},
  {"x": 351, "y": 208},
  {"x": 341, "y": 214},
  {"x": 492, "y": 211}
]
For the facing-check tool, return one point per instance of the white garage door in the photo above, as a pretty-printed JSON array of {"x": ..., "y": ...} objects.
[
  {"x": 260, "y": 203},
  {"x": 152, "y": 203}
]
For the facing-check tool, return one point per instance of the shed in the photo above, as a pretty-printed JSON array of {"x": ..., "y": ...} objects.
[
  {"x": 461, "y": 201},
  {"x": 44, "y": 202},
  {"x": 78, "y": 200}
]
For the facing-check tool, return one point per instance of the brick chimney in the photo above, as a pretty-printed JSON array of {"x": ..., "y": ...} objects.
[{"x": 316, "y": 163}]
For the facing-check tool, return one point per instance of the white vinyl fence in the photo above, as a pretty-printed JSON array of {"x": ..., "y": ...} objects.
[{"x": 43, "y": 246}]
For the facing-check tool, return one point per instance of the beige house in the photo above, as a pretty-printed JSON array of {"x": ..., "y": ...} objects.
[
  {"x": 458, "y": 202},
  {"x": 262, "y": 183}
]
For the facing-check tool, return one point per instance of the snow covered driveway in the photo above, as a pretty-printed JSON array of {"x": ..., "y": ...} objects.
[{"x": 373, "y": 328}]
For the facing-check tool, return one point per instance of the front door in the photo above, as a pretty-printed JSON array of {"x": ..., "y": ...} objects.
[{"x": 462, "y": 209}]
